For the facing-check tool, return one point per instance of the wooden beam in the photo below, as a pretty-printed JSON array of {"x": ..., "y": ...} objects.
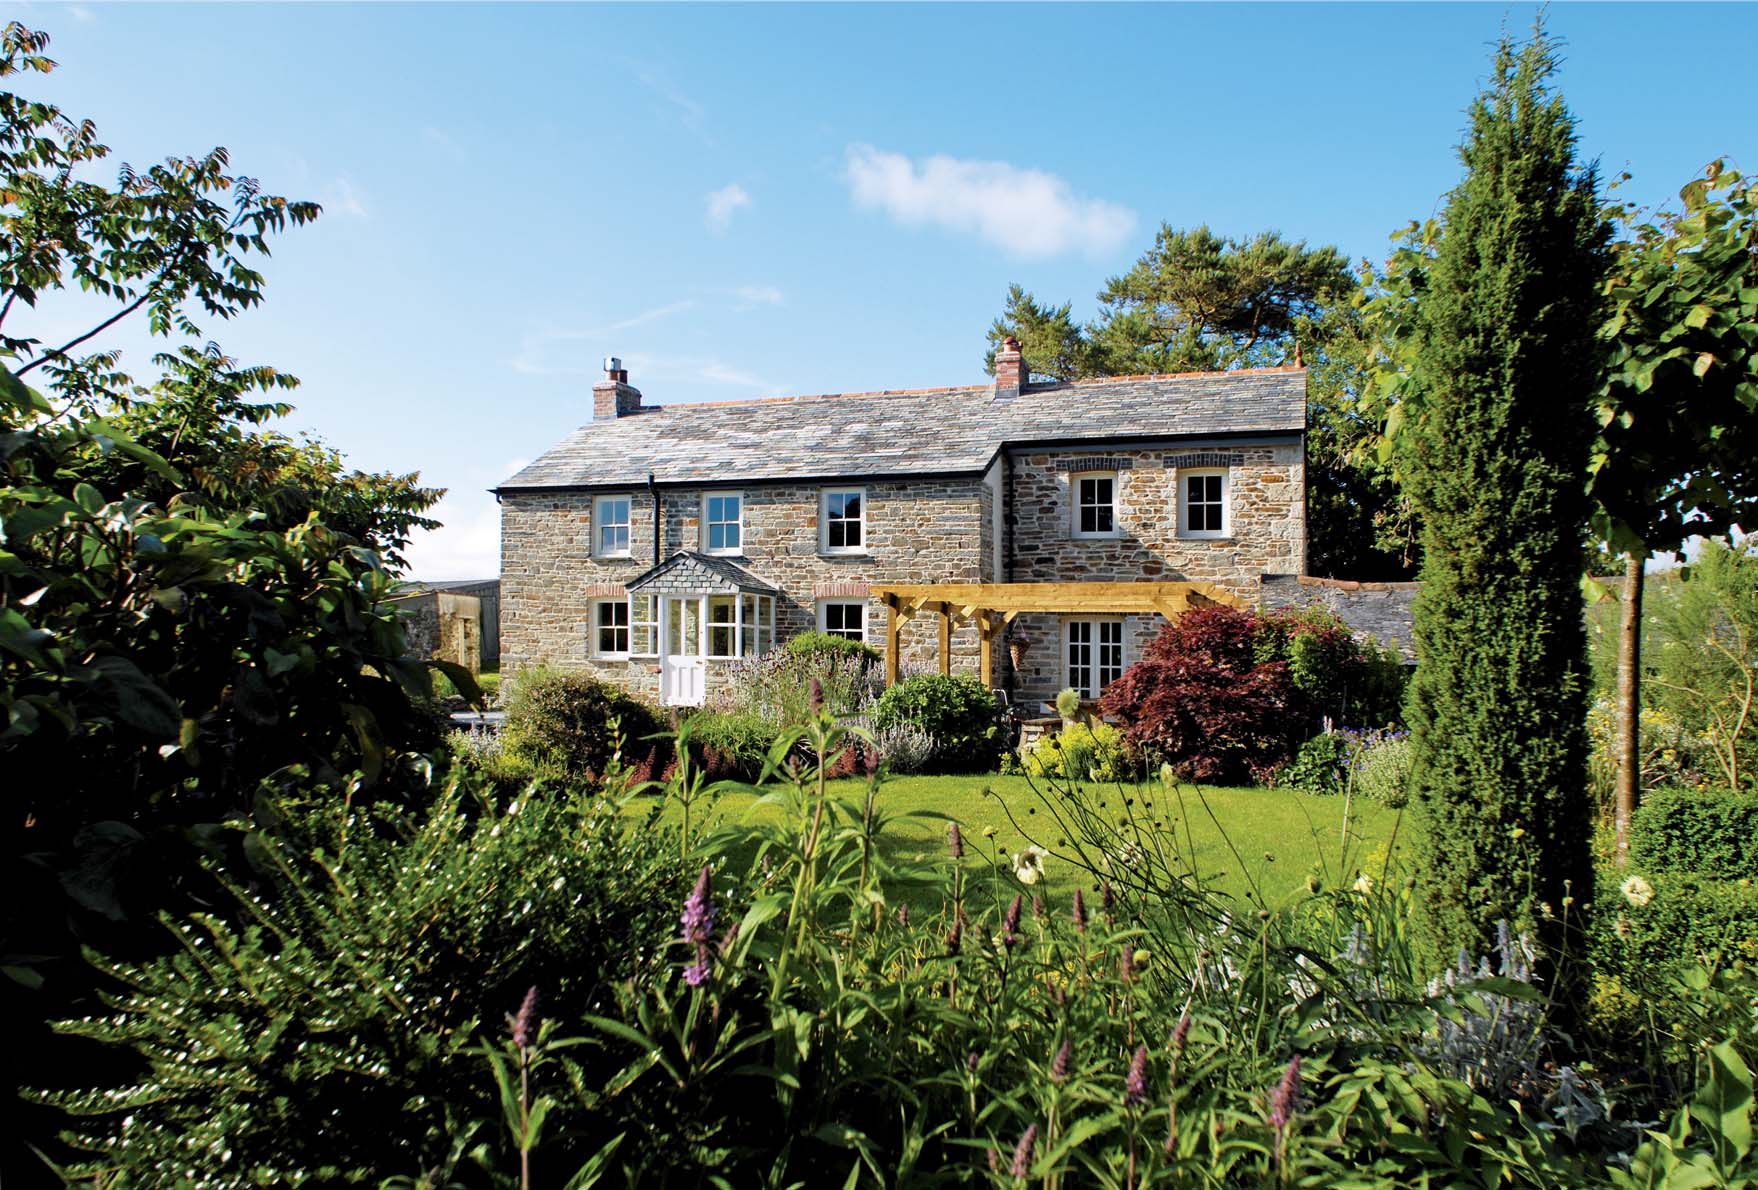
[
  {"x": 1055, "y": 597},
  {"x": 986, "y": 662},
  {"x": 893, "y": 621},
  {"x": 946, "y": 640}
]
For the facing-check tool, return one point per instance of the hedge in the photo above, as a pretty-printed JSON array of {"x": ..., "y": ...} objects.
[{"x": 1708, "y": 832}]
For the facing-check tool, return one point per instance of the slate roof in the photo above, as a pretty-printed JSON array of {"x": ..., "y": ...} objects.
[
  {"x": 919, "y": 432},
  {"x": 687, "y": 568}
]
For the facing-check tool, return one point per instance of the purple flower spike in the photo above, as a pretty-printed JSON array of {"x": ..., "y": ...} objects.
[
  {"x": 1287, "y": 1091},
  {"x": 524, "y": 1026},
  {"x": 1135, "y": 1084},
  {"x": 1022, "y": 1154},
  {"x": 955, "y": 936},
  {"x": 1010, "y": 924},
  {"x": 1059, "y": 1067},
  {"x": 955, "y": 840},
  {"x": 698, "y": 919},
  {"x": 817, "y": 697},
  {"x": 1080, "y": 912},
  {"x": 698, "y": 926},
  {"x": 972, "y": 1062},
  {"x": 1107, "y": 901},
  {"x": 903, "y": 916},
  {"x": 1181, "y": 1033}
]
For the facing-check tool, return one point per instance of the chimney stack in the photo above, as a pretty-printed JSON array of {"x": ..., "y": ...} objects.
[
  {"x": 614, "y": 396},
  {"x": 1010, "y": 368}
]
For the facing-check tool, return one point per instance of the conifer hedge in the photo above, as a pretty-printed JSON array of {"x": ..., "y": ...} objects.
[{"x": 1502, "y": 363}]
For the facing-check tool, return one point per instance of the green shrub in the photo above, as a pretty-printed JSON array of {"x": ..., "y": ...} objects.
[
  {"x": 1379, "y": 764},
  {"x": 808, "y": 644},
  {"x": 1084, "y": 752},
  {"x": 778, "y": 685},
  {"x": 958, "y": 712},
  {"x": 330, "y": 1034},
  {"x": 562, "y": 723},
  {"x": 1651, "y": 923},
  {"x": 1706, "y": 832},
  {"x": 730, "y": 744},
  {"x": 1319, "y": 767}
]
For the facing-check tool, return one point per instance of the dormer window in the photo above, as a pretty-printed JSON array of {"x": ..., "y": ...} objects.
[
  {"x": 723, "y": 523},
  {"x": 1095, "y": 503},
  {"x": 1202, "y": 499},
  {"x": 610, "y": 527}
]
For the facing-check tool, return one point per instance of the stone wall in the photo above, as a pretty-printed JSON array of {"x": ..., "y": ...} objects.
[
  {"x": 1267, "y": 534},
  {"x": 920, "y": 531},
  {"x": 1267, "y": 527},
  {"x": 1380, "y": 610}
]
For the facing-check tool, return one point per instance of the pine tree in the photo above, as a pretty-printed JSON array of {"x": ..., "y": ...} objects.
[{"x": 1503, "y": 367}]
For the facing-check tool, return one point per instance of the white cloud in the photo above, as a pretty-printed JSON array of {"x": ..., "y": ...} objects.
[
  {"x": 341, "y": 199},
  {"x": 1025, "y": 211},
  {"x": 723, "y": 203},
  {"x": 757, "y": 295},
  {"x": 82, "y": 14}
]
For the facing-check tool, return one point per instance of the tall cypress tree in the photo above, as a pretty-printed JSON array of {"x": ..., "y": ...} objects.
[{"x": 1504, "y": 364}]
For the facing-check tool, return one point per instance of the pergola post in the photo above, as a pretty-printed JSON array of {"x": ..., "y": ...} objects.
[
  {"x": 986, "y": 633},
  {"x": 946, "y": 640},
  {"x": 893, "y": 621}
]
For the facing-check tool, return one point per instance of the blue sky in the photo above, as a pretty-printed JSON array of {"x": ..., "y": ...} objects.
[{"x": 755, "y": 200}]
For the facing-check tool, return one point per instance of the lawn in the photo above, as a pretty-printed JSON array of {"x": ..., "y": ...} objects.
[{"x": 1267, "y": 840}]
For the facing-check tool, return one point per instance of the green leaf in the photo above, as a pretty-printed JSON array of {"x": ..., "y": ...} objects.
[
  {"x": 253, "y": 698},
  {"x": 140, "y": 702},
  {"x": 87, "y": 497}
]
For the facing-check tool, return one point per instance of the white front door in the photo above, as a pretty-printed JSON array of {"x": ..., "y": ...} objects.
[{"x": 682, "y": 671}]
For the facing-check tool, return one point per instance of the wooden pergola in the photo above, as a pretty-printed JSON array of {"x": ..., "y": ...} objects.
[{"x": 993, "y": 606}]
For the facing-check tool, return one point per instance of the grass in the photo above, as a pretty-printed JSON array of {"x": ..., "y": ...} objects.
[{"x": 1242, "y": 840}]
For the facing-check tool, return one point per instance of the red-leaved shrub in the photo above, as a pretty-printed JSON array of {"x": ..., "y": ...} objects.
[{"x": 1202, "y": 701}]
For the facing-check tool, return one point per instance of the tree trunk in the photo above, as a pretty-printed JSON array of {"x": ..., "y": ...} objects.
[{"x": 1627, "y": 745}]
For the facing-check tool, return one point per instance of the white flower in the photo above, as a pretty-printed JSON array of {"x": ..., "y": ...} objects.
[
  {"x": 1637, "y": 891},
  {"x": 1364, "y": 884},
  {"x": 1028, "y": 865}
]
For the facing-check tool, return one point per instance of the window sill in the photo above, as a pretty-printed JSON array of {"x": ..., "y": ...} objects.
[
  {"x": 845, "y": 553},
  {"x": 612, "y": 557},
  {"x": 723, "y": 553},
  {"x": 1206, "y": 537},
  {"x": 1095, "y": 537},
  {"x": 610, "y": 656}
]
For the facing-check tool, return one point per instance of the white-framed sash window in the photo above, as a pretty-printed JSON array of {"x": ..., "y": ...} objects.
[
  {"x": 723, "y": 523},
  {"x": 610, "y": 629},
  {"x": 610, "y": 527},
  {"x": 842, "y": 519},
  {"x": 1095, "y": 503},
  {"x": 844, "y": 618},
  {"x": 1202, "y": 503}
]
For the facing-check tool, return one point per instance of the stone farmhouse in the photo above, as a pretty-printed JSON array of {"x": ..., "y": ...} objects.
[{"x": 1035, "y": 534}]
